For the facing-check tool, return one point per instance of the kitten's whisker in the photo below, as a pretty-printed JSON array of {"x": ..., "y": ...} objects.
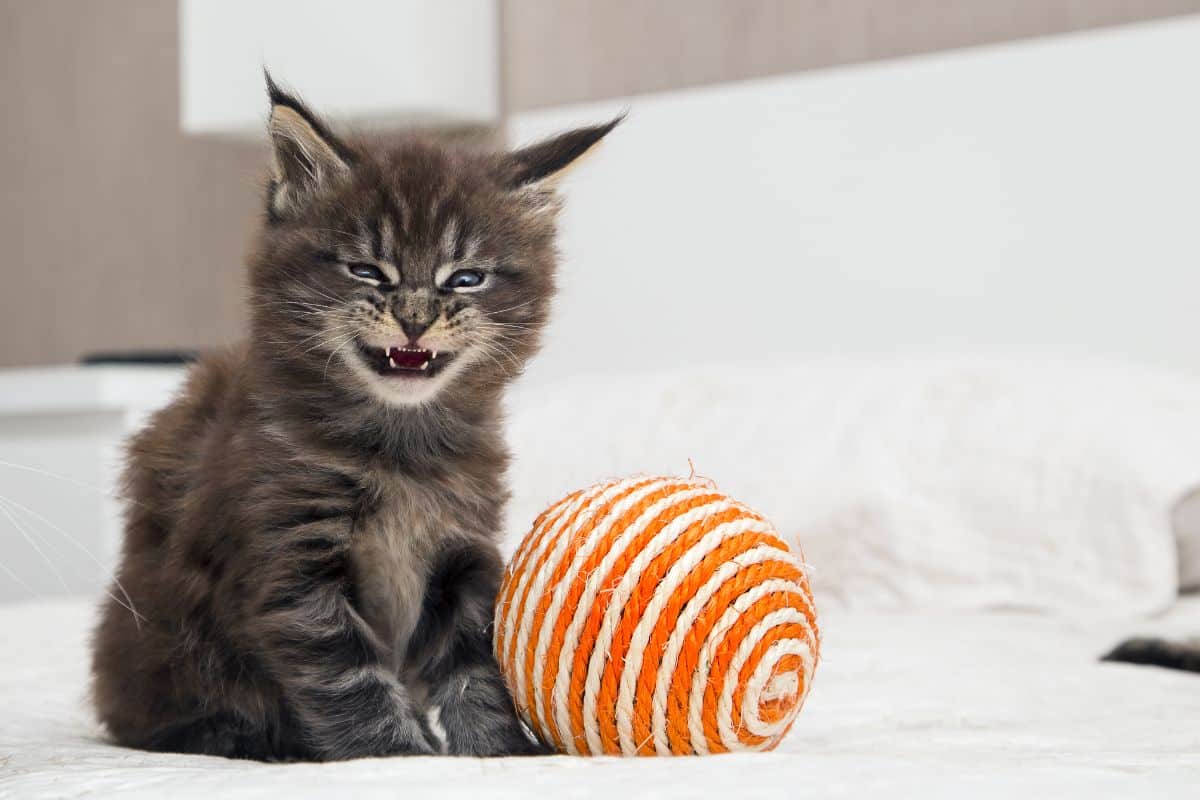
[
  {"x": 505, "y": 337},
  {"x": 342, "y": 338},
  {"x": 32, "y": 542},
  {"x": 83, "y": 549},
  {"x": 332, "y": 326},
  {"x": 513, "y": 308},
  {"x": 335, "y": 327},
  {"x": 325, "y": 372},
  {"x": 90, "y": 487},
  {"x": 297, "y": 307},
  {"x": 6, "y": 502},
  {"x": 491, "y": 358},
  {"x": 519, "y": 325},
  {"x": 288, "y": 300},
  {"x": 338, "y": 329},
  {"x": 297, "y": 280},
  {"x": 32, "y": 592},
  {"x": 504, "y": 328},
  {"x": 297, "y": 277},
  {"x": 352, "y": 236},
  {"x": 491, "y": 349},
  {"x": 499, "y": 345},
  {"x": 504, "y": 340},
  {"x": 499, "y": 338},
  {"x": 306, "y": 303}
]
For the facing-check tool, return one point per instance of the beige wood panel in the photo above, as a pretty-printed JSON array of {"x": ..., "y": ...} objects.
[
  {"x": 117, "y": 231},
  {"x": 563, "y": 51}
]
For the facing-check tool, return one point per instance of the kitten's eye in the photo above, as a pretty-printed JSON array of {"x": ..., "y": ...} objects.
[
  {"x": 464, "y": 279},
  {"x": 360, "y": 269}
]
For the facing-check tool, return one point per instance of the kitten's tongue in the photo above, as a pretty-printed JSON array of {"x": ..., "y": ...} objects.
[{"x": 409, "y": 358}]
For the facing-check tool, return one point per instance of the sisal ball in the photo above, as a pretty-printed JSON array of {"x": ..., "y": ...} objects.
[{"x": 656, "y": 616}]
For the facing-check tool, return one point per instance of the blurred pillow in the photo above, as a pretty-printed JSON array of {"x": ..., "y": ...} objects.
[
  {"x": 1186, "y": 521},
  {"x": 948, "y": 483}
]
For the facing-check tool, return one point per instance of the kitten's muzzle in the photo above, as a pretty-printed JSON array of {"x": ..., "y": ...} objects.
[{"x": 413, "y": 362}]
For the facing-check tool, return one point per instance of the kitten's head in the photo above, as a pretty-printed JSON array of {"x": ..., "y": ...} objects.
[{"x": 399, "y": 270}]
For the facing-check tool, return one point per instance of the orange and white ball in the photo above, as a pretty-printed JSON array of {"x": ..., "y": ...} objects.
[{"x": 656, "y": 616}]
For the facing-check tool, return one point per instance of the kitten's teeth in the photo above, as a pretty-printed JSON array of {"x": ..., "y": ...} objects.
[
  {"x": 425, "y": 365},
  {"x": 432, "y": 357},
  {"x": 391, "y": 362}
]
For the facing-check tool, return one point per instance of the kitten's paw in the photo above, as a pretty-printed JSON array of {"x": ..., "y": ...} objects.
[
  {"x": 491, "y": 737},
  {"x": 412, "y": 739},
  {"x": 400, "y": 737},
  {"x": 532, "y": 747},
  {"x": 477, "y": 718},
  {"x": 484, "y": 745}
]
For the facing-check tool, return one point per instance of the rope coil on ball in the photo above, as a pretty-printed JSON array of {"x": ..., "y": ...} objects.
[{"x": 656, "y": 616}]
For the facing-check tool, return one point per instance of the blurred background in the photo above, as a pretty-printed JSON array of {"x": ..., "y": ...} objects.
[
  {"x": 132, "y": 174},
  {"x": 797, "y": 179}
]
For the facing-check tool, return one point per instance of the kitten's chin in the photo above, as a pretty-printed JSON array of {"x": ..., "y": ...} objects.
[{"x": 405, "y": 388}]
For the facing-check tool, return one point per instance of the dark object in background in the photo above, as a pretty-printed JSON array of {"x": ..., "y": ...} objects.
[
  {"x": 140, "y": 357},
  {"x": 1158, "y": 653}
]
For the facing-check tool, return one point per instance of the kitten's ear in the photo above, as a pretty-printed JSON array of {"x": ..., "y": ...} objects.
[
  {"x": 549, "y": 160},
  {"x": 305, "y": 156}
]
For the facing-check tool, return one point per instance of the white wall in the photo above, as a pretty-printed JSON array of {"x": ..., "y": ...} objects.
[
  {"x": 1038, "y": 196},
  {"x": 62, "y": 436},
  {"x": 409, "y": 60}
]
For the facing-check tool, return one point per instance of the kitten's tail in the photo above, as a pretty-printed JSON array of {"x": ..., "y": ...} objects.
[{"x": 1158, "y": 653}]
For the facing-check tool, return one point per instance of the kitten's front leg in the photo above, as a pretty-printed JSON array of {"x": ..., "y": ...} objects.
[
  {"x": 454, "y": 649},
  {"x": 475, "y": 710},
  {"x": 347, "y": 703}
]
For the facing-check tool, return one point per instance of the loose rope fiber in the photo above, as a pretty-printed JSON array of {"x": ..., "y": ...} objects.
[{"x": 656, "y": 616}]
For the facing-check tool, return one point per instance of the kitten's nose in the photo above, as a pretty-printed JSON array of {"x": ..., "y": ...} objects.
[{"x": 413, "y": 328}]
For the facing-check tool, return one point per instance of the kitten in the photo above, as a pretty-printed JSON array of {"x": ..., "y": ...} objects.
[{"x": 310, "y": 534}]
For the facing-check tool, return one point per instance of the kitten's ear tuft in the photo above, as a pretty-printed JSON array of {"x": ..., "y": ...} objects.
[
  {"x": 549, "y": 159},
  {"x": 305, "y": 156}
]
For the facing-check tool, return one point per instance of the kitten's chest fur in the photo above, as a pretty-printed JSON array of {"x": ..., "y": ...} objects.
[{"x": 395, "y": 545}]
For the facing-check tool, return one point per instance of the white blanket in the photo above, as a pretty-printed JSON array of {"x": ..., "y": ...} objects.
[
  {"x": 983, "y": 705},
  {"x": 968, "y": 483}
]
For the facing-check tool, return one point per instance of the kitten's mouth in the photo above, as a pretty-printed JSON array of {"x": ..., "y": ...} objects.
[{"x": 411, "y": 362}]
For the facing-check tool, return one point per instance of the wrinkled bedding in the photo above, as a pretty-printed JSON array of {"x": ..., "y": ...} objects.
[
  {"x": 937, "y": 482},
  {"x": 935, "y": 705}
]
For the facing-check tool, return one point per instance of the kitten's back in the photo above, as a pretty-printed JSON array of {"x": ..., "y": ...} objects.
[{"x": 136, "y": 656}]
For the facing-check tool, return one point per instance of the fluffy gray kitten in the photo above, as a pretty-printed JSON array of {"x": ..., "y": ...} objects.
[{"x": 310, "y": 536}]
